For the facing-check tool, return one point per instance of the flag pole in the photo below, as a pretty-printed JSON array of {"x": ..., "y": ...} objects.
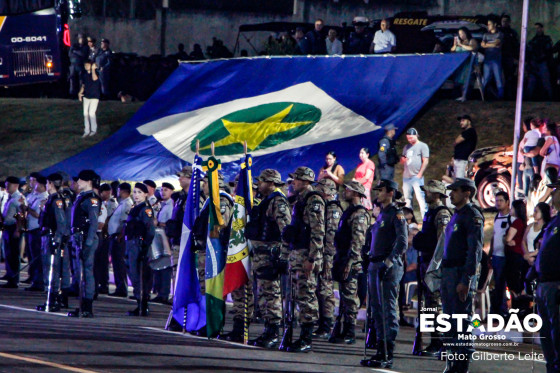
[
  {"x": 519, "y": 99},
  {"x": 197, "y": 147},
  {"x": 246, "y": 303}
]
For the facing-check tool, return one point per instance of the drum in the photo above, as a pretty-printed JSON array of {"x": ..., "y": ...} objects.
[{"x": 160, "y": 251}]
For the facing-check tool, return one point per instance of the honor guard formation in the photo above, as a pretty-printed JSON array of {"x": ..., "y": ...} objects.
[{"x": 307, "y": 238}]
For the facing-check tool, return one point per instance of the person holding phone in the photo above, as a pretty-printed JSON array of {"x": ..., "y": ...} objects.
[{"x": 89, "y": 94}]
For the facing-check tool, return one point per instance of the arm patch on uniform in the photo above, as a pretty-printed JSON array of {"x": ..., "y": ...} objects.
[
  {"x": 59, "y": 204},
  {"x": 362, "y": 219},
  {"x": 400, "y": 215},
  {"x": 94, "y": 202},
  {"x": 478, "y": 221},
  {"x": 316, "y": 207},
  {"x": 382, "y": 148},
  {"x": 149, "y": 212}
]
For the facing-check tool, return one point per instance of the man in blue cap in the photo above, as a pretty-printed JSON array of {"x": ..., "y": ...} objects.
[
  {"x": 464, "y": 237},
  {"x": 388, "y": 244},
  {"x": 387, "y": 153}
]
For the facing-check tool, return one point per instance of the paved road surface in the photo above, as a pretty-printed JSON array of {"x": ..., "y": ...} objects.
[{"x": 32, "y": 341}]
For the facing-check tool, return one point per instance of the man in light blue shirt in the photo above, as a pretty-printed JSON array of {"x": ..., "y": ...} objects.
[
  {"x": 162, "y": 278},
  {"x": 10, "y": 236},
  {"x": 116, "y": 236},
  {"x": 35, "y": 202}
]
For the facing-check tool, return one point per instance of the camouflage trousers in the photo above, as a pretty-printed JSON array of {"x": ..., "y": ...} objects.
[
  {"x": 349, "y": 301},
  {"x": 238, "y": 297},
  {"x": 305, "y": 287},
  {"x": 268, "y": 291},
  {"x": 325, "y": 289},
  {"x": 201, "y": 268}
]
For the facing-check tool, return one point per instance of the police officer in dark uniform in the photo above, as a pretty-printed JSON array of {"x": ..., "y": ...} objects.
[
  {"x": 388, "y": 245},
  {"x": 103, "y": 61},
  {"x": 85, "y": 212},
  {"x": 435, "y": 220},
  {"x": 54, "y": 230},
  {"x": 547, "y": 296},
  {"x": 462, "y": 253},
  {"x": 139, "y": 233},
  {"x": 78, "y": 54},
  {"x": 387, "y": 153}
]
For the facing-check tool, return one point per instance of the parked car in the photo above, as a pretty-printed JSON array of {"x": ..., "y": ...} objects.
[{"x": 490, "y": 168}]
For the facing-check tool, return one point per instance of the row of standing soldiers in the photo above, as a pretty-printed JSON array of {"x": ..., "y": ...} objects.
[
  {"x": 68, "y": 224},
  {"x": 313, "y": 239}
]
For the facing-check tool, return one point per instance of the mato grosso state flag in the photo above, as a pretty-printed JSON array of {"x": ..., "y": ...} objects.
[
  {"x": 215, "y": 251},
  {"x": 288, "y": 109},
  {"x": 237, "y": 266}
]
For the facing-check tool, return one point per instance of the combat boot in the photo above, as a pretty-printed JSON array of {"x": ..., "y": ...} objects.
[
  {"x": 54, "y": 306},
  {"x": 303, "y": 344},
  {"x": 136, "y": 311},
  {"x": 383, "y": 362},
  {"x": 236, "y": 335},
  {"x": 324, "y": 329},
  {"x": 63, "y": 299},
  {"x": 144, "y": 310},
  {"x": 349, "y": 334},
  {"x": 433, "y": 349},
  {"x": 371, "y": 337},
  {"x": 462, "y": 366},
  {"x": 87, "y": 308},
  {"x": 378, "y": 360},
  {"x": 269, "y": 339}
]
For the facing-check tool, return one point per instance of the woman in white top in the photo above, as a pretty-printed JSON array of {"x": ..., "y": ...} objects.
[
  {"x": 542, "y": 217},
  {"x": 550, "y": 151}
]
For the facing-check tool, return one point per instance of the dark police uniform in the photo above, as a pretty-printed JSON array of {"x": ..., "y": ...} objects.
[
  {"x": 139, "y": 234},
  {"x": 103, "y": 62},
  {"x": 84, "y": 237},
  {"x": 462, "y": 253},
  {"x": 389, "y": 243},
  {"x": 78, "y": 54},
  {"x": 388, "y": 157},
  {"x": 54, "y": 230},
  {"x": 546, "y": 272}
]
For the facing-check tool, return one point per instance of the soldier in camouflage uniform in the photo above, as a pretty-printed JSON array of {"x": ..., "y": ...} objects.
[
  {"x": 436, "y": 219},
  {"x": 306, "y": 236},
  {"x": 200, "y": 232},
  {"x": 325, "y": 285},
  {"x": 266, "y": 222},
  {"x": 349, "y": 240}
]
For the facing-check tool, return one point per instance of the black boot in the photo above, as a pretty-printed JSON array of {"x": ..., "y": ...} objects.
[
  {"x": 378, "y": 360},
  {"x": 269, "y": 339},
  {"x": 87, "y": 308},
  {"x": 349, "y": 334},
  {"x": 136, "y": 311},
  {"x": 461, "y": 366},
  {"x": 324, "y": 329},
  {"x": 434, "y": 347},
  {"x": 303, "y": 344},
  {"x": 371, "y": 337},
  {"x": 336, "y": 333},
  {"x": 54, "y": 306},
  {"x": 236, "y": 335},
  {"x": 144, "y": 310},
  {"x": 63, "y": 299},
  {"x": 449, "y": 366}
]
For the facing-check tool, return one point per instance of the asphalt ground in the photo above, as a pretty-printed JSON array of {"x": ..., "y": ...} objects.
[{"x": 33, "y": 341}]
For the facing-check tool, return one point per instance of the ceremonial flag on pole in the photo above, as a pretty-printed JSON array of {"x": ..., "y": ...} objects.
[
  {"x": 237, "y": 265},
  {"x": 187, "y": 288},
  {"x": 215, "y": 253}
]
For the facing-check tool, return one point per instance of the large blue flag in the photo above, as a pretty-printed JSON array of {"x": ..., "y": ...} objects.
[
  {"x": 290, "y": 110},
  {"x": 187, "y": 288}
]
